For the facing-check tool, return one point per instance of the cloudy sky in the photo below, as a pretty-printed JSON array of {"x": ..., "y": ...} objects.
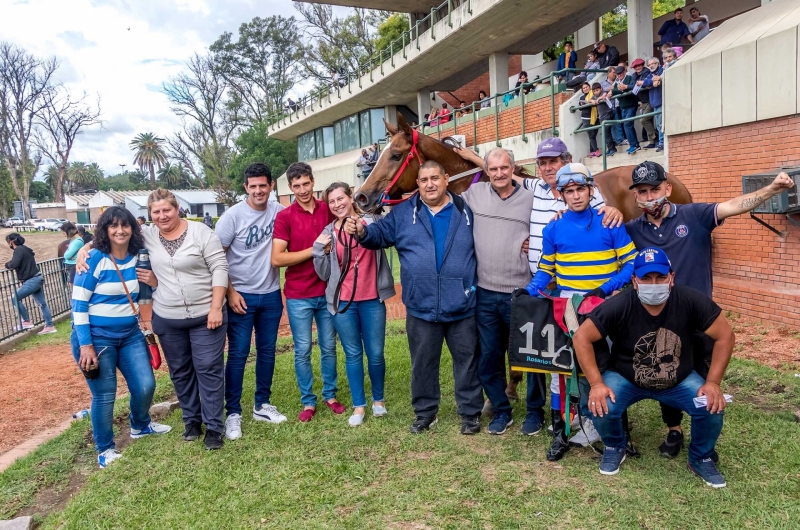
[{"x": 122, "y": 50}]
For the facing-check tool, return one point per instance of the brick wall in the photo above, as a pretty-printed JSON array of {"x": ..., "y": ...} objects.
[
  {"x": 756, "y": 272},
  {"x": 537, "y": 118},
  {"x": 469, "y": 92}
]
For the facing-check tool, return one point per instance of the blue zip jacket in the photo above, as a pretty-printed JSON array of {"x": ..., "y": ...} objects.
[
  {"x": 655, "y": 91},
  {"x": 563, "y": 63},
  {"x": 444, "y": 296}
]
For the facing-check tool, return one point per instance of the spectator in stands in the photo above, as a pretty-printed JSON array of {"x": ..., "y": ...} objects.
[
  {"x": 24, "y": 262},
  {"x": 71, "y": 254},
  {"x": 606, "y": 55},
  {"x": 141, "y": 220},
  {"x": 698, "y": 26},
  {"x": 595, "y": 111},
  {"x": 567, "y": 59},
  {"x": 365, "y": 163},
  {"x": 672, "y": 31},
  {"x": 337, "y": 78},
  {"x": 106, "y": 340},
  {"x": 463, "y": 109},
  {"x": 628, "y": 104},
  {"x": 670, "y": 57},
  {"x": 607, "y": 85},
  {"x": 651, "y": 328},
  {"x": 85, "y": 234},
  {"x": 591, "y": 61},
  {"x": 522, "y": 80},
  {"x": 484, "y": 100},
  {"x": 375, "y": 152},
  {"x": 433, "y": 118},
  {"x": 362, "y": 327},
  {"x": 653, "y": 82},
  {"x": 291, "y": 105},
  {"x": 642, "y": 75},
  {"x": 208, "y": 220},
  {"x": 444, "y": 114}
]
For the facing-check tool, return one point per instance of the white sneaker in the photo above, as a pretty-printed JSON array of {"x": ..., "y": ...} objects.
[
  {"x": 233, "y": 426},
  {"x": 152, "y": 428},
  {"x": 106, "y": 457},
  {"x": 268, "y": 413},
  {"x": 586, "y": 436},
  {"x": 356, "y": 420}
]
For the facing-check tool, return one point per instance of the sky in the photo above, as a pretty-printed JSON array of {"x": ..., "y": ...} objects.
[{"x": 122, "y": 51}]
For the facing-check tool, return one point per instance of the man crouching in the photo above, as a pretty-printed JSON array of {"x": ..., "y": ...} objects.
[{"x": 651, "y": 327}]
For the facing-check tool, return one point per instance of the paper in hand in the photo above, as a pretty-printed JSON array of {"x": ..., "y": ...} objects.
[{"x": 702, "y": 401}]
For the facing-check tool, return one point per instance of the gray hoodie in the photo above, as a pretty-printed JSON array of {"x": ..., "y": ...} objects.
[{"x": 327, "y": 267}]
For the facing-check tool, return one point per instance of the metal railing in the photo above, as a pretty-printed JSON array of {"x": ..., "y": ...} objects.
[
  {"x": 56, "y": 293},
  {"x": 377, "y": 60},
  {"x": 611, "y": 123}
]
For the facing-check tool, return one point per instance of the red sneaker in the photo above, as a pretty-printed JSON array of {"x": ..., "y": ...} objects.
[
  {"x": 336, "y": 407},
  {"x": 306, "y": 415}
]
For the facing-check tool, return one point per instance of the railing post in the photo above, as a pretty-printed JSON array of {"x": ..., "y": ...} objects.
[
  {"x": 469, "y": 6},
  {"x": 438, "y": 129},
  {"x": 417, "y": 26},
  {"x": 474, "y": 128},
  {"x": 553, "y": 105},
  {"x": 391, "y": 52},
  {"x": 605, "y": 151},
  {"x": 450, "y": 13},
  {"x": 433, "y": 23},
  {"x": 522, "y": 112},
  {"x": 496, "y": 121},
  {"x": 404, "y": 46}
]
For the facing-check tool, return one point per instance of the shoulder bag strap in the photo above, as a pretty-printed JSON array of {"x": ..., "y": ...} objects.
[{"x": 124, "y": 286}]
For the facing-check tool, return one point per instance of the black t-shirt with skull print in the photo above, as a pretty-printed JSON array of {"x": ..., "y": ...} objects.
[{"x": 654, "y": 352}]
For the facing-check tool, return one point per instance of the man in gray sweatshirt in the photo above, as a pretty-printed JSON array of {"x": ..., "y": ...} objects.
[{"x": 502, "y": 210}]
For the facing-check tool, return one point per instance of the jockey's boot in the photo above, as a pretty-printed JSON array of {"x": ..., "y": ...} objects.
[{"x": 560, "y": 444}]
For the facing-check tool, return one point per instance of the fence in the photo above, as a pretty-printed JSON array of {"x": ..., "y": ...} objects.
[{"x": 56, "y": 292}]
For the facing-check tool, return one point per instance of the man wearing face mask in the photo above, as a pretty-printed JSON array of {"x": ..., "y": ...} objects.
[
  {"x": 684, "y": 232},
  {"x": 652, "y": 329}
]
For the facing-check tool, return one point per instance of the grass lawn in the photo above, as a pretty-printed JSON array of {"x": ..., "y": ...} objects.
[{"x": 327, "y": 475}]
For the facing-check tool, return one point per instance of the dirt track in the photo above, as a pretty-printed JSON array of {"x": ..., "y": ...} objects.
[{"x": 43, "y": 244}]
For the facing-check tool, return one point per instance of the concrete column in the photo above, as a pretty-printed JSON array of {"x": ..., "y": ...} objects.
[
  {"x": 423, "y": 104},
  {"x": 498, "y": 73},
  {"x": 640, "y": 29},
  {"x": 587, "y": 35},
  {"x": 390, "y": 114}
]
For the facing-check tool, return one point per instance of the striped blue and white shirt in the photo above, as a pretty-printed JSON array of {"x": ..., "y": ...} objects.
[{"x": 99, "y": 304}]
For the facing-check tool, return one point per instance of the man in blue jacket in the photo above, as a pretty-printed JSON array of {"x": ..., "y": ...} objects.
[
  {"x": 432, "y": 233},
  {"x": 653, "y": 82},
  {"x": 567, "y": 59}
]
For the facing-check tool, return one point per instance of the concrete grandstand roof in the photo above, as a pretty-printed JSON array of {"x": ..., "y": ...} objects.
[
  {"x": 452, "y": 56},
  {"x": 403, "y": 6}
]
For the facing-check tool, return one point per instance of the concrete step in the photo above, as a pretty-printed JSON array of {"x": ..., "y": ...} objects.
[{"x": 595, "y": 165}]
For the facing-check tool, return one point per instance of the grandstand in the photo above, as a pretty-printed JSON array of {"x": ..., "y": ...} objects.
[{"x": 731, "y": 110}]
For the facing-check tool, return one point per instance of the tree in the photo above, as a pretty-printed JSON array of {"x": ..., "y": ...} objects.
[
  {"x": 85, "y": 176},
  {"x": 149, "y": 154},
  {"x": 60, "y": 121},
  {"x": 391, "y": 29},
  {"x": 253, "y": 145},
  {"x": 41, "y": 192},
  {"x": 174, "y": 176},
  {"x": 6, "y": 192},
  {"x": 262, "y": 65},
  {"x": 25, "y": 84},
  {"x": 616, "y": 20}
]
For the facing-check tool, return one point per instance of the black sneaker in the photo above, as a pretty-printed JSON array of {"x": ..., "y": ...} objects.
[
  {"x": 650, "y": 146},
  {"x": 214, "y": 440},
  {"x": 470, "y": 424},
  {"x": 423, "y": 423},
  {"x": 192, "y": 432},
  {"x": 672, "y": 445}
]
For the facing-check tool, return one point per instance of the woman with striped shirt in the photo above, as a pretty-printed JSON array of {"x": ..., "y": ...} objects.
[{"x": 106, "y": 330}]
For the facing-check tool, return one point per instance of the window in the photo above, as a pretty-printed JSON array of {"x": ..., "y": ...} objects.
[
  {"x": 363, "y": 121},
  {"x": 327, "y": 141},
  {"x": 337, "y": 137},
  {"x": 306, "y": 148},
  {"x": 377, "y": 127},
  {"x": 350, "y": 137}
]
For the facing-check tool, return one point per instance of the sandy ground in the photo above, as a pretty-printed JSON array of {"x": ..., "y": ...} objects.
[{"x": 43, "y": 244}]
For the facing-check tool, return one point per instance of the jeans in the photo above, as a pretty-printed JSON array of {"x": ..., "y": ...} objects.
[
  {"x": 493, "y": 313},
  {"x": 130, "y": 355},
  {"x": 617, "y": 132},
  {"x": 659, "y": 126},
  {"x": 362, "y": 329},
  {"x": 630, "y": 130},
  {"x": 301, "y": 312},
  {"x": 706, "y": 427},
  {"x": 264, "y": 315},
  {"x": 425, "y": 340},
  {"x": 33, "y": 287}
]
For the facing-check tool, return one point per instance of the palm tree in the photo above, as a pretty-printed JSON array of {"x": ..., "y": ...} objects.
[
  {"x": 149, "y": 154},
  {"x": 84, "y": 176},
  {"x": 173, "y": 176}
]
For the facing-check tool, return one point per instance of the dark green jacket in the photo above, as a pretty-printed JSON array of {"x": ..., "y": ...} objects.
[{"x": 630, "y": 100}]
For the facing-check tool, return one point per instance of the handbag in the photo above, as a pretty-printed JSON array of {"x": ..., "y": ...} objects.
[{"x": 149, "y": 337}]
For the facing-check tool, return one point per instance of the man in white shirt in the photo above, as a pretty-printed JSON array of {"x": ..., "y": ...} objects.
[
  {"x": 698, "y": 25},
  {"x": 254, "y": 297}
]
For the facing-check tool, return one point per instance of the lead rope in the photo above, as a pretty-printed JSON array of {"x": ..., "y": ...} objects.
[{"x": 348, "y": 242}]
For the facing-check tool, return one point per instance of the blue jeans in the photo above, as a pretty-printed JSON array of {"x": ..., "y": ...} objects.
[
  {"x": 33, "y": 287},
  {"x": 301, "y": 312},
  {"x": 493, "y": 313},
  {"x": 363, "y": 329},
  {"x": 130, "y": 355},
  {"x": 706, "y": 427},
  {"x": 659, "y": 118},
  {"x": 630, "y": 129},
  {"x": 264, "y": 315},
  {"x": 618, "y": 131}
]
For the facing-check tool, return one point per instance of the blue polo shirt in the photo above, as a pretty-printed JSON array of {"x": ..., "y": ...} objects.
[
  {"x": 685, "y": 235},
  {"x": 673, "y": 32},
  {"x": 440, "y": 222}
]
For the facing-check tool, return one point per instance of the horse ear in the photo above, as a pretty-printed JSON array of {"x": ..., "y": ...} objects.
[
  {"x": 402, "y": 124},
  {"x": 389, "y": 127}
]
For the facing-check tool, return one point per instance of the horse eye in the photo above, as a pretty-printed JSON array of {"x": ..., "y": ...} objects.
[{"x": 397, "y": 156}]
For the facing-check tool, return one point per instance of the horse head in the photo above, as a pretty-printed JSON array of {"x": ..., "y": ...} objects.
[{"x": 397, "y": 162}]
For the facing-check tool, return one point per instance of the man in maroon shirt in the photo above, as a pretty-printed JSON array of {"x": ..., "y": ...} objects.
[{"x": 296, "y": 229}]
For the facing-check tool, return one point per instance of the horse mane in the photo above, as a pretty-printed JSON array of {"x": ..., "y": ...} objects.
[{"x": 450, "y": 143}]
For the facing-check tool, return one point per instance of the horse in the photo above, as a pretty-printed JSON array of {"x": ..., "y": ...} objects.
[{"x": 395, "y": 173}]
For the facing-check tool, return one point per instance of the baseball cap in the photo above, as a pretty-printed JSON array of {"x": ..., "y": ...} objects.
[
  {"x": 637, "y": 62},
  {"x": 573, "y": 173},
  {"x": 648, "y": 173},
  {"x": 651, "y": 259},
  {"x": 619, "y": 70},
  {"x": 551, "y": 147}
]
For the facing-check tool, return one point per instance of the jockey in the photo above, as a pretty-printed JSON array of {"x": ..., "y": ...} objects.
[{"x": 585, "y": 257}]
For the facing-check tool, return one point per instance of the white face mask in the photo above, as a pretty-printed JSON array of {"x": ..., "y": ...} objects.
[{"x": 653, "y": 293}]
